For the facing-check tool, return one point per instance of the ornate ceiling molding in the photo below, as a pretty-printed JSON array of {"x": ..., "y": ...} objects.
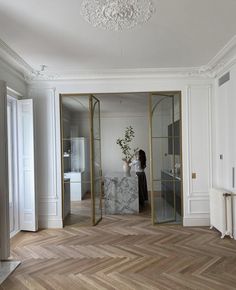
[
  {"x": 218, "y": 65},
  {"x": 17, "y": 63},
  {"x": 222, "y": 61},
  {"x": 13, "y": 60},
  {"x": 117, "y": 14}
]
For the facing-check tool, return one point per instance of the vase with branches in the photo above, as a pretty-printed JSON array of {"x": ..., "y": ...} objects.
[{"x": 124, "y": 144}]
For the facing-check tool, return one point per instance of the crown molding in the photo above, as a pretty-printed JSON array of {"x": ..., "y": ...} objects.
[
  {"x": 224, "y": 59},
  {"x": 14, "y": 60},
  {"x": 21, "y": 67}
]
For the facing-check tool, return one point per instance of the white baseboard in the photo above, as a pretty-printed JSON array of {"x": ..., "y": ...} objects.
[
  {"x": 196, "y": 222},
  {"x": 50, "y": 224},
  {"x": 12, "y": 234}
]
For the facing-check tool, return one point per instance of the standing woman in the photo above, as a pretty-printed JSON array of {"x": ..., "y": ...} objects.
[{"x": 140, "y": 164}]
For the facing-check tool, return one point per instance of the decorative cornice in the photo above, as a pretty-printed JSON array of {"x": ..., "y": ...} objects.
[
  {"x": 13, "y": 59},
  {"x": 218, "y": 65},
  {"x": 223, "y": 60},
  {"x": 38, "y": 75},
  {"x": 139, "y": 73}
]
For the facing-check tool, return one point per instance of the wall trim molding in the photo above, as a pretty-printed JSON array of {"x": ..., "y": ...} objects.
[
  {"x": 45, "y": 223},
  {"x": 222, "y": 61},
  {"x": 196, "y": 222}
]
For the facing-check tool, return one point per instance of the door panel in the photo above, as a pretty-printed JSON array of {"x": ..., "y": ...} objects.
[
  {"x": 164, "y": 201},
  {"x": 95, "y": 149},
  {"x": 165, "y": 157},
  {"x": 28, "y": 220}
]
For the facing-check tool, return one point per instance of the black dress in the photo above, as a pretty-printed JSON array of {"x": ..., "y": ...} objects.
[{"x": 142, "y": 188}]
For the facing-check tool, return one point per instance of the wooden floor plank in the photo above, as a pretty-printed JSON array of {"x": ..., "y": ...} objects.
[{"x": 123, "y": 252}]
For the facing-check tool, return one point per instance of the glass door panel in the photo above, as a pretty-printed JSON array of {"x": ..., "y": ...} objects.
[
  {"x": 165, "y": 157},
  {"x": 96, "y": 173},
  {"x": 164, "y": 201},
  {"x": 161, "y": 115},
  {"x": 161, "y": 160}
]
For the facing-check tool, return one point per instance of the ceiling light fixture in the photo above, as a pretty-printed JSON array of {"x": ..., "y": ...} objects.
[{"x": 117, "y": 14}]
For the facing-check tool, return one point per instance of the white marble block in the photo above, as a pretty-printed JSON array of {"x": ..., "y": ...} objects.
[{"x": 121, "y": 194}]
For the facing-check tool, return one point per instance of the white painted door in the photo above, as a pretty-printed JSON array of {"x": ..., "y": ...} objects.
[
  {"x": 28, "y": 217},
  {"x": 10, "y": 167}
]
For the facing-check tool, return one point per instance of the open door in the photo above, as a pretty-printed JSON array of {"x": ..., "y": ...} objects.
[
  {"x": 165, "y": 143},
  {"x": 28, "y": 220},
  {"x": 95, "y": 160}
]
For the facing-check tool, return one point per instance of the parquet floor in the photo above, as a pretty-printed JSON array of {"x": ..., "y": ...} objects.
[
  {"x": 80, "y": 213},
  {"x": 123, "y": 252}
]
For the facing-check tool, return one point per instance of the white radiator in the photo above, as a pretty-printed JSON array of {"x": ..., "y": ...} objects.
[{"x": 221, "y": 211}]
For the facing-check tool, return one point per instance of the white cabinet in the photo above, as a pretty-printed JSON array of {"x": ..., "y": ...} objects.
[{"x": 75, "y": 185}]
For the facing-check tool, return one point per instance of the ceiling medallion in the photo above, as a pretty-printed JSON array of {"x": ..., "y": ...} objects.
[{"x": 117, "y": 14}]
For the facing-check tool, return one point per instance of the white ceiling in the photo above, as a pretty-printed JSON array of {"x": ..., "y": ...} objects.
[{"x": 181, "y": 33}]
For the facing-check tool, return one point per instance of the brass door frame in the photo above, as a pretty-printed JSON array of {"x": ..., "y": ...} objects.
[
  {"x": 164, "y": 94},
  {"x": 93, "y": 177},
  {"x": 150, "y": 93},
  {"x": 62, "y": 159},
  {"x": 90, "y": 98}
]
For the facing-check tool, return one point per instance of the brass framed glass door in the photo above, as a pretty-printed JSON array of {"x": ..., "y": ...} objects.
[
  {"x": 81, "y": 159},
  {"x": 95, "y": 161},
  {"x": 165, "y": 145}
]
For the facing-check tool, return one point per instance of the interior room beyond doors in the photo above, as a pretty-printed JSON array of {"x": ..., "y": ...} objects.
[{"x": 156, "y": 120}]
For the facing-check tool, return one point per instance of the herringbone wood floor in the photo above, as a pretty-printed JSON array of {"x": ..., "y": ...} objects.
[{"x": 123, "y": 252}]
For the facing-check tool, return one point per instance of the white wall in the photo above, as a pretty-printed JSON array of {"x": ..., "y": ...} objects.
[
  {"x": 48, "y": 137},
  {"x": 224, "y": 136},
  {"x": 198, "y": 159},
  {"x": 112, "y": 128}
]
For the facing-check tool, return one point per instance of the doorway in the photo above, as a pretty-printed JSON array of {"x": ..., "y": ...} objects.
[
  {"x": 164, "y": 171},
  {"x": 81, "y": 159}
]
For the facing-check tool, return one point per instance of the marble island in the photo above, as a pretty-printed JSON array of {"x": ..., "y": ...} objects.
[{"x": 121, "y": 193}]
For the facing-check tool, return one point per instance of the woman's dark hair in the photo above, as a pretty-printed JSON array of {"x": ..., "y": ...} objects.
[{"x": 142, "y": 158}]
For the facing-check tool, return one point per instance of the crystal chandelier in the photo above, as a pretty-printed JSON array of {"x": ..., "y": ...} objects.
[{"x": 117, "y": 14}]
